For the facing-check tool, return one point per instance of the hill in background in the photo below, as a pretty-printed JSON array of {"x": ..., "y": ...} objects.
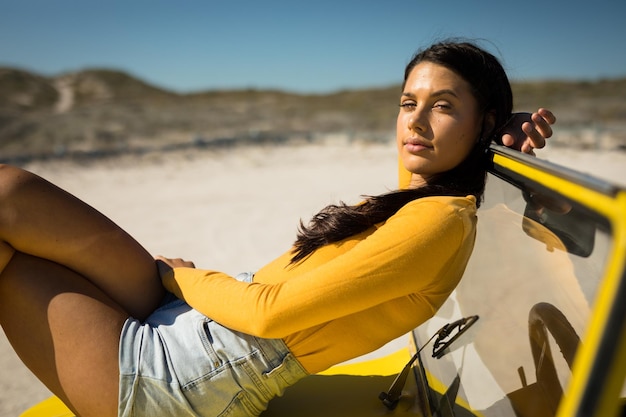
[{"x": 102, "y": 112}]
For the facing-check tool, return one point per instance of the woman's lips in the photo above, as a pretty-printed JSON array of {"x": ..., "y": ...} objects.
[{"x": 416, "y": 146}]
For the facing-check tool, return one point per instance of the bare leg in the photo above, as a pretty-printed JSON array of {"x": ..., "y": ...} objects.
[
  {"x": 69, "y": 277},
  {"x": 40, "y": 219},
  {"x": 65, "y": 330}
]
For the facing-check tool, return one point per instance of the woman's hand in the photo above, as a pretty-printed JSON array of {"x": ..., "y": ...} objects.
[
  {"x": 526, "y": 131},
  {"x": 165, "y": 265}
]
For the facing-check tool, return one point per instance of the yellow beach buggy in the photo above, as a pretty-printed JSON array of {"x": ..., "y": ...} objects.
[{"x": 537, "y": 326}]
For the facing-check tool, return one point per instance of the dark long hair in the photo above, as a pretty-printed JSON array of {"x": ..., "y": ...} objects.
[{"x": 492, "y": 91}]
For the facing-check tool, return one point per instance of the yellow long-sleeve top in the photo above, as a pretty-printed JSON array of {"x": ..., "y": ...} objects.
[{"x": 347, "y": 298}]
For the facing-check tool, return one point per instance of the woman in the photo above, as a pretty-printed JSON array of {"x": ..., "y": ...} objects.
[{"x": 85, "y": 307}]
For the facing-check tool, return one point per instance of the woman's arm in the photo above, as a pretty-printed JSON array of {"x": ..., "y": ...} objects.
[{"x": 409, "y": 254}]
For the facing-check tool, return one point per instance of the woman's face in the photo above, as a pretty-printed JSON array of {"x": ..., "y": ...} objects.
[{"x": 438, "y": 123}]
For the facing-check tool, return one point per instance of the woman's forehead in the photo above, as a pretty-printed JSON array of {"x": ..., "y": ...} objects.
[{"x": 429, "y": 77}]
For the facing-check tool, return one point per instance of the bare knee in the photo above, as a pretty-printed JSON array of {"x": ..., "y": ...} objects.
[
  {"x": 10, "y": 175},
  {"x": 16, "y": 200},
  {"x": 20, "y": 191},
  {"x": 6, "y": 253},
  {"x": 12, "y": 180}
]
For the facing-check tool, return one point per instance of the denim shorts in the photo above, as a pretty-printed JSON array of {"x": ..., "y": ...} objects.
[{"x": 179, "y": 362}]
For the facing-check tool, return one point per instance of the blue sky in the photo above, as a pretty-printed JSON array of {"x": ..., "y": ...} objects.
[{"x": 305, "y": 46}]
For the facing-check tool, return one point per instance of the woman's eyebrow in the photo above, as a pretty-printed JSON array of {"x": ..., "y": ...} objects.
[
  {"x": 444, "y": 92},
  {"x": 433, "y": 94}
]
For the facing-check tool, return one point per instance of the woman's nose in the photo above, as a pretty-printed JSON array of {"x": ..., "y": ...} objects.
[{"x": 417, "y": 121}]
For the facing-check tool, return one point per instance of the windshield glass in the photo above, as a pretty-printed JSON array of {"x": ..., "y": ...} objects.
[{"x": 531, "y": 280}]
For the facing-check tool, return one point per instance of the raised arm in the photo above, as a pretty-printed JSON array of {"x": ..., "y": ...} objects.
[{"x": 528, "y": 131}]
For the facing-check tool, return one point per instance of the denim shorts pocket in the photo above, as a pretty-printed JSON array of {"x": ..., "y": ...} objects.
[
  {"x": 238, "y": 406},
  {"x": 220, "y": 394},
  {"x": 282, "y": 372},
  {"x": 206, "y": 337},
  {"x": 216, "y": 385}
]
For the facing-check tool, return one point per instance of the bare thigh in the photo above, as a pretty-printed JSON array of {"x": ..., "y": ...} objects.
[
  {"x": 40, "y": 219},
  {"x": 66, "y": 331}
]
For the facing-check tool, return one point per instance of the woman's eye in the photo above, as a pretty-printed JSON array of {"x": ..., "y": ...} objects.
[
  {"x": 443, "y": 106},
  {"x": 407, "y": 106}
]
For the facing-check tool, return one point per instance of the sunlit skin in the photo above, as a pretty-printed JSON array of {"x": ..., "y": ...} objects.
[{"x": 438, "y": 122}]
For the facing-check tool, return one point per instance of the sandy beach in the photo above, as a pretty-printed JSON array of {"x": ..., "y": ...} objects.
[{"x": 232, "y": 210}]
